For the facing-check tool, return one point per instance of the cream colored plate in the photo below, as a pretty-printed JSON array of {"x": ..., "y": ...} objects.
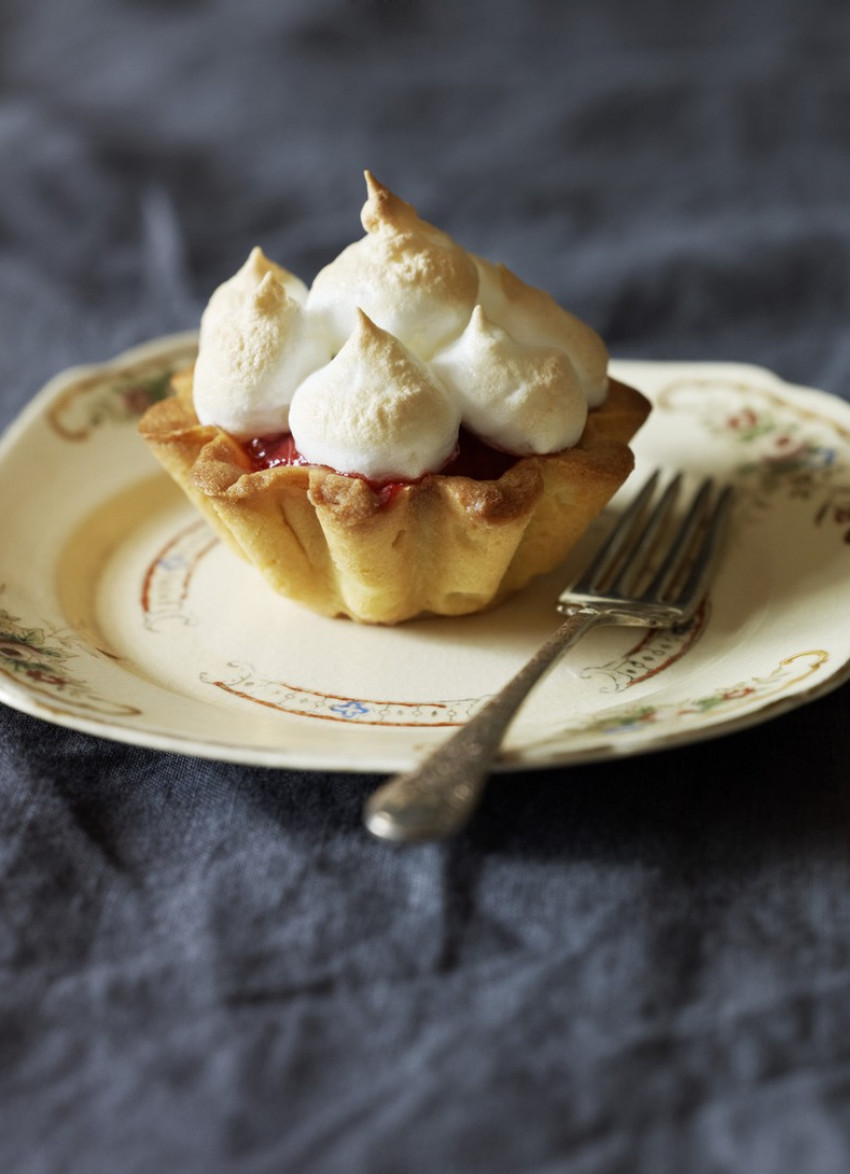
[{"x": 120, "y": 615}]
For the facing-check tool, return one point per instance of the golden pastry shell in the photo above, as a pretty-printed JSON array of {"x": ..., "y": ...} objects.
[{"x": 447, "y": 545}]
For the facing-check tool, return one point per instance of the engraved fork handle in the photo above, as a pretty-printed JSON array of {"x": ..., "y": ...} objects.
[{"x": 437, "y": 798}]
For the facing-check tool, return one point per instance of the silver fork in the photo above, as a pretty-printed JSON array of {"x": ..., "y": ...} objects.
[{"x": 643, "y": 576}]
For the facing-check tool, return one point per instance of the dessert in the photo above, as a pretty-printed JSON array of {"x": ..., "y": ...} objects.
[{"x": 419, "y": 432}]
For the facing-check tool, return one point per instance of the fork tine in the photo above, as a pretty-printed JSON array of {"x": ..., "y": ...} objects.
[
  {"x": 693, "y": 589},
  {"x": 606, "y": 558},
  {"x": 634, "y": 566},
  {"x": 680, "y": 547}
]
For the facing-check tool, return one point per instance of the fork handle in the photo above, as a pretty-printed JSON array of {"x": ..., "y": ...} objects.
[{"x": 437, "y": 798}]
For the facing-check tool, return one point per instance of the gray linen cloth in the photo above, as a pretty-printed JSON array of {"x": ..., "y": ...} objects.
[{"x": 631, "y": 968}]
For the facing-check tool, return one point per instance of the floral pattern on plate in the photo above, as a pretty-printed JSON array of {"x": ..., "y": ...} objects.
[
  {"x": 784, "y": 450},
  {"x": 118, "y": 394},
  {"x": 40, "y": 660}
]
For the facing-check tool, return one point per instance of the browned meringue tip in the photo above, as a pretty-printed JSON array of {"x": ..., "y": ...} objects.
[
  {"x": 383, "y": 208},
  {"x": 258, "y": 258},
  {"x": 368, "y": 334},
  {"x": 260, "y": 265},
  {"x": 365, "y": 329},
  {"x": 269, "y": 294}
]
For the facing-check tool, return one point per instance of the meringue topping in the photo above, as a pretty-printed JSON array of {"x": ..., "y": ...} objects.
[
  {"x": 532, "y": 316},
  {"x": 423, "y": 333},
  {"x": 409, "y": 277},
  {"x": 525, "y": 399},
  {"x": 375, "y": 409},
  {"x": 257, "y": 343}
]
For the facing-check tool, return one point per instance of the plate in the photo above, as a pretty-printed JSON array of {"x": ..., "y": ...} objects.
[{"x": 126, "y": 619}]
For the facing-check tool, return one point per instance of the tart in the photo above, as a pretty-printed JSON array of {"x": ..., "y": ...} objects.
[
  {"x": 358, "y": 464},
  {"x": 445, "y": 544}
]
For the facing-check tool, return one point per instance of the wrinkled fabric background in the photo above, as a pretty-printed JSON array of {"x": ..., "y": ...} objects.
[{"x": 629, "y": 968}]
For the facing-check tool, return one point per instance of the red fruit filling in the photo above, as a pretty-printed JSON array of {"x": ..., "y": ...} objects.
[{"x": 473, "y": 458}]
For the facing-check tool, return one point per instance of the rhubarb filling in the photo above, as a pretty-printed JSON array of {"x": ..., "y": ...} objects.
[{"x": 473, "y": 458}]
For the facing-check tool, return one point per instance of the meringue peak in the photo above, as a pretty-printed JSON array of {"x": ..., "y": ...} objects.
[
  {"x": 533, "y": 316},
  {"x": 382, "y": 356},
  {"x": 365, "y": 329},
  {"x": 257, "y": 267},
  {"x": 367, "y": 336},
  {"x": 411, "y": 278},
  {"x": 375, "y": 409},
  {"x": 270, "y": 295},
  {"x": 384, "y": 211},
  {"x": 515, "y": 395},
  {"x": 258, "y": 264},
  {"x": 257, "y": 343},
  {"x": 478, "y": 320}
]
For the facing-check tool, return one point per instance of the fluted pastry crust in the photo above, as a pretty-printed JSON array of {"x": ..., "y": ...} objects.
[{"x": 448, "y": 545}]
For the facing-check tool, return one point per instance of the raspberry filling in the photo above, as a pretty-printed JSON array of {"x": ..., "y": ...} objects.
[{"x": 473, "y": 458}]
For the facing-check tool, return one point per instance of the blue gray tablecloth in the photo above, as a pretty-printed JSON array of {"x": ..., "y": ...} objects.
[{"x": 640, "y": 967}]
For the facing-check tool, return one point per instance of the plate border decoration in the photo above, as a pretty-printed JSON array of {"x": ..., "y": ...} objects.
[
  {"x": 36, "y": 659},
  {"x": 789, "y": 671},
  {"x": 165, "y": 594},
  {"x": 782, "y": 446},
  {"x": 671, "y": 719},
  {"x": 118, "y": 392}
]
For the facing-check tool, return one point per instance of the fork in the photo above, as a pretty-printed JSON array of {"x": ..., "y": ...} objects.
[{"x": 652, "y": 571}]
